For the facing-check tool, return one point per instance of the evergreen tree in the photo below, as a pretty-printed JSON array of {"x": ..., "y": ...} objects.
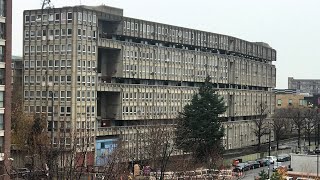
[
  {"x": 263, "y": 175},
  {"x": 199, "y": 129}
]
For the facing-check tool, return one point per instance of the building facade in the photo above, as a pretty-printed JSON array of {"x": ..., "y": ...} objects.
[
  {"x": 17, "y": 70},
  {"x": 290, "y": 98},
  {"x": 5, "y": 84},
  {"x": 311, "y": 86},
  {"x": 113, "y": 75}
]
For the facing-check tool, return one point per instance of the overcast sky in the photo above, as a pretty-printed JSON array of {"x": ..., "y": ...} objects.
[{"x": 292, "y": 27}]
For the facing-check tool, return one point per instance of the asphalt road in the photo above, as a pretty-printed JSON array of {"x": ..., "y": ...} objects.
[{"x": 249, "y": 175}]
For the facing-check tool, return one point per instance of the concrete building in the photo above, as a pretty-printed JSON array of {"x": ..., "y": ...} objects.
[
  {"x": 17, "y": 70},
  {"x": 311, "y": 86},
  {"x": 290, "y": 98},
  {"x": 5, "y": 84},
  {"x": 113, "y": 75}
]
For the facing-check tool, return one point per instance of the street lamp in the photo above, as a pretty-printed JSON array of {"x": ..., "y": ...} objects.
[{"x": 317, "y": 151}]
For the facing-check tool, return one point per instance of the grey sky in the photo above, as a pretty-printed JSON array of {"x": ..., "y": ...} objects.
[{"x": 290, "y": 26}]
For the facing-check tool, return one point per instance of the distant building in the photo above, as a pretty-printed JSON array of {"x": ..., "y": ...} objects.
[
  {"x": 16, "y": 67},
  {"x": 311, "y": 86},
  {"x": 289, "y": 98}
]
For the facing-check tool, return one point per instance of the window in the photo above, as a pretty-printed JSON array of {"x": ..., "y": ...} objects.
[
  {"x": 45, "y": 17},
  {"x": 26, "y": 34},
  {"x": 84, "y": 17},
  {"x": 57, "y": 48},
  {"x": 44, "y": 48},
  {"x": 1, "y": 98},
  {"x": 63, "y": 16},
  {"x": 89, "y": 18},
  {"x": 279, "y": 102},
  {"x": 79, "y": 17},
  {"x": 50, "y": 17},
  {"x": 94, "y": 18},
  {"x": 69, "y": 47},
  {"x": 63, "y": 32},
  {"x": 290, "y": 102},
  {"x": 302, "y": 102},
  {"x": 32, "y": 48},
  {"x": 63, "y": 47},
  {"x": 57, "y": 32},
  {"x": 32, "y": 18},
  {"x": 27, "y": 18},
  {"x": 69, "y": 32},
  {"x": 2, "y": 30},
  {"x": 57, "y": 17},
  {"x": 32, "y": 34},
  {"x": 69, "y": 16},
  {"x": 26, "y": 64},
  {"x": 1, "y": 127}
]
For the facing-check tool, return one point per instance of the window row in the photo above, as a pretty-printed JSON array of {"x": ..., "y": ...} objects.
[
  {"x": 57, "y": 17},
  {"x": 174, "y": 33},
  {"x": 48, "y": 109},
  {"x": 84, "y": 125},
  {"x": 45, "y": 63},
  {"x": 86, "y": 64},
  {"x": 49, "y": 48},
  {"x": 86, "y": 17},
  {"x": 149, "y": 110},
  {"x": 168, "y": 57},
  {"x": 42, "y": 34},
  {"x": 159, "y": 96},
  {"x": 61, "y": 79},
  {"x": 89, "y": 110},
  {"x": 86, "y": 79},
  {"x": 86, "y": 48},
  {"x": 56, "y": 94},
  {"x": 86, "y": 33}
]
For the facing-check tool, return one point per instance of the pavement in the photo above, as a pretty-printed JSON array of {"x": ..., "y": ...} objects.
[{"x": 249, "y": 175}]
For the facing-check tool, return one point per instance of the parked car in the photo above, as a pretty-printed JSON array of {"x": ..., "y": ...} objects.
[
  {"x": 242, "y": 167},
  {"x": 283, "y": 158},
  {"x": 263, "y": 162},
  {"x": 253, "y": 164},
  {"x": 272, "y": 159}
]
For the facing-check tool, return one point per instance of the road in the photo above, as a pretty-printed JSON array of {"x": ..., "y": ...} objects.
[{"x": 249, "y": 175}]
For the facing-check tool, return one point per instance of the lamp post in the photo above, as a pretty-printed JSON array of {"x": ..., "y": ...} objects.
[
  {"x": 269, "y": 153},
  {"x": 317, "y": 151}
]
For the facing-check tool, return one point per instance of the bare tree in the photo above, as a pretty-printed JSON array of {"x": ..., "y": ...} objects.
[
  {"x": 116, "y": 162},
  {"x": 159, "y": 147},
  {"x": 279, "y": 121},
  {"x": 310, "y": 122},
  {"x": 261, "y": 126},
  {"x": 298, "y": 118}
]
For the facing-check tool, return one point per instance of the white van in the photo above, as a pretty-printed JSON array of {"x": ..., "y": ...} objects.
[{"x": 272, "y": 159}]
